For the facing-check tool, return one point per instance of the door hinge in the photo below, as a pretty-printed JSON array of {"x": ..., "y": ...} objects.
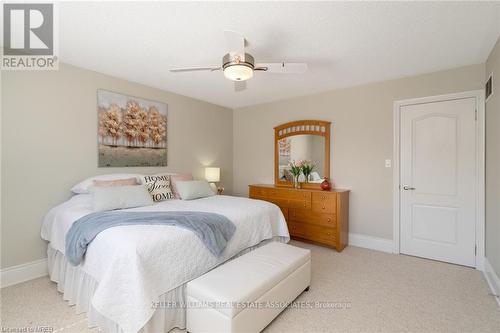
[
  {"x": 475, "y": 250},
  {"x": 475, "y": 115}
]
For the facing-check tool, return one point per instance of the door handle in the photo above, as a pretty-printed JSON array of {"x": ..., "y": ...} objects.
[{"x": 408, "y": 188}]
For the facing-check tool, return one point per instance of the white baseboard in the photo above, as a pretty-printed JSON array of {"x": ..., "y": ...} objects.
[
  {"x": 25, "y": 272},
  {"x": 492, "y": 279},
  {"x": 371, "y": 242}
]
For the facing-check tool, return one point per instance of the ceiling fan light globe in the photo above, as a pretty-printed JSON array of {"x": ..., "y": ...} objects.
[{"x": 238, "y": 72}]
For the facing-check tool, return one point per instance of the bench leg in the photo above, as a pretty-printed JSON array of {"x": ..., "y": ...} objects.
[{"x": 307, "y": 289}]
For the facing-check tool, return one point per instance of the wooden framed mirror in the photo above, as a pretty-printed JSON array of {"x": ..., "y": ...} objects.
[{"x": 302, "y": 140}]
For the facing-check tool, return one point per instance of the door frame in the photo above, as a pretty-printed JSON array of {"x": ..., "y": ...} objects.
[{"x": 480, "y": 166}]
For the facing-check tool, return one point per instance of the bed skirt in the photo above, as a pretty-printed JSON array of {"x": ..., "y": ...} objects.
[{"x": 78, "y": 287}]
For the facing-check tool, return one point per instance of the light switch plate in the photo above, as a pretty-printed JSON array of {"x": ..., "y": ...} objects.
[{"x": 387, "y": 163}]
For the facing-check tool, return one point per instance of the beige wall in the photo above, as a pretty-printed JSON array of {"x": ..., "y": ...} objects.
[
  {"x": 49, "y": 143},
  {"x": 362, "y": 138},
  {"x": 493, "y": 162}
]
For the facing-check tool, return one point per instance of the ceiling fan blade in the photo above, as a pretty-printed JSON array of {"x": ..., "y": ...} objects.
[
  {"x": 194, "y": 69},
  {"x": 235, "y": 44},
  {"x": 283, "y": 67},
  {"x": 240, "y": 85}
]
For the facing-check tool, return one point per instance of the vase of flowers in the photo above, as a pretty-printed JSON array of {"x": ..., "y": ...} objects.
[
  {"x": 295, "y": 170},
  {"x": 307, "y": 167}
]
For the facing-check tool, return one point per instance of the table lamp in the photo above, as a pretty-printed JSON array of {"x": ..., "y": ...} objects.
[{"x": 212, "y": 175}]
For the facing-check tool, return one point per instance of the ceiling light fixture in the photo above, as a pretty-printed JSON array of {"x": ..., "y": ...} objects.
[
  {"x": 238, "y": 66},
  {"x": 237, "y": 70}
]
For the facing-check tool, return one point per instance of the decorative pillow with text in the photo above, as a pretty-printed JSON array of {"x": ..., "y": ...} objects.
[{"x": 159, "y": 187}]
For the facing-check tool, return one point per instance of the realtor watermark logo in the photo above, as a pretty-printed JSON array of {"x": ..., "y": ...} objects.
[{"x": 30, "y": 39}]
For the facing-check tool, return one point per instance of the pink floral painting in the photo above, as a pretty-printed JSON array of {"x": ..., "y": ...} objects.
[{"x": 132, "y": 131}]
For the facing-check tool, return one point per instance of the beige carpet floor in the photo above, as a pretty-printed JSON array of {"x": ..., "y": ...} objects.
[{"x": 373, "y": 292}]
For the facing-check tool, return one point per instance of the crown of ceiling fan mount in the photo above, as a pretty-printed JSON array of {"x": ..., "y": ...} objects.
[{"x": 237, "y": 70}]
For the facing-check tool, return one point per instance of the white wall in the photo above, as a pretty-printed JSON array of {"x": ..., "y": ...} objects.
[
  {"x": 362, "y": 138},
  {"x": 49, "y": 142},
  {"x": 493, "y": 162},
  {"x": 318, "y": 153},
  {"x": 300, "y": 148}
]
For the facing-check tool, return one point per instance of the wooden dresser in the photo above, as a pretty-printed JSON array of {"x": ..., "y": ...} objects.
[{"x": 313, "y": 215}]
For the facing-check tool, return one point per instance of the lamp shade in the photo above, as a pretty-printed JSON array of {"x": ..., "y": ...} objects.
[{"x": 212, "y": 174}]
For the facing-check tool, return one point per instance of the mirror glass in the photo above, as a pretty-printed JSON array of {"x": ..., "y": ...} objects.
[{"x": 302, "y": 147}]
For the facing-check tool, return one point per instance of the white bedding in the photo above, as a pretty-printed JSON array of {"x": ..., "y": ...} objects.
[{"x": 134, "y": 265}]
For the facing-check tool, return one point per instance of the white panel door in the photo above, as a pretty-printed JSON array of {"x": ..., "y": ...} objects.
[{"x": 438, "y": 185}]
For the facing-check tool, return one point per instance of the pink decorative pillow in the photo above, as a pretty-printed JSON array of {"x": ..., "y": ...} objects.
[
  {"x": 181, "y": 178},
  {"x": 115, "y": 182}
]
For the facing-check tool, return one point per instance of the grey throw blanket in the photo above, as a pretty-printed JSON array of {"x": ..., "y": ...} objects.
[{"x": 212, "y": 229}]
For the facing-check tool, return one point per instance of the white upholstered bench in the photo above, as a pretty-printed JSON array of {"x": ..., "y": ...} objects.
[{"x": 247, "y": 293}]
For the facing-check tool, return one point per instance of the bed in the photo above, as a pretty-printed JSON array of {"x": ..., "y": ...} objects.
[{"x": 133, "y": 278}]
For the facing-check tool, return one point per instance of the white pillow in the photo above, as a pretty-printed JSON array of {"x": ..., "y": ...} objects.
[
  {"x": 118, "y": 197},
  {"x": 194, "y": 189},
  {"x": 84, "y": 186}
]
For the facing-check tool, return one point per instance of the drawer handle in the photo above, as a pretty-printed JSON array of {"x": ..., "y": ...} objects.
[
  {"x": 329, "y": 233},
  {"x": 329, "y": 220},
  {"x": 305, "y": 205},
  {"x": 323, "y": 207}
]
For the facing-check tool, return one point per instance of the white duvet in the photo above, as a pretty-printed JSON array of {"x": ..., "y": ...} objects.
[{"x": 134, "y": 265}]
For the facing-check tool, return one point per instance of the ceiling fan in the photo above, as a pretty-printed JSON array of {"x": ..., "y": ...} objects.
[{"x": 239, "y": 66}]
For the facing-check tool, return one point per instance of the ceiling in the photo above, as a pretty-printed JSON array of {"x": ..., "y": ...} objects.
[{"x": 344, "y": 43}]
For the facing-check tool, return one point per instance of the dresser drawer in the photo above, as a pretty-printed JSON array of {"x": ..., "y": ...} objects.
[
  {"x": 277, "y": 201},
  {"x": 301, "y": 215},
  {"x": 283, "y": 207},
  {"x": 299, "y": 204},
  {"x": 324, "y": 202},
  {"x": 261, "y": 192},
  {"x": 296, "y": 195},
  {"x": 283, "y": 193},
  {"x": 285, "y": 212},
  {"x": 315, "y": 233}
]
